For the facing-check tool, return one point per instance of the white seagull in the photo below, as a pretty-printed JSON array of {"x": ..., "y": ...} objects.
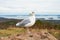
[{"x": 28, "y": 22}]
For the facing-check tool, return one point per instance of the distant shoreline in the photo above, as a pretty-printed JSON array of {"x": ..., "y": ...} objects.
[{"x": 45, "y": 17}]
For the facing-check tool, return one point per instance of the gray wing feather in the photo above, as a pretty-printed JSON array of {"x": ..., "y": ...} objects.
[{"x": 24, "y": 22}]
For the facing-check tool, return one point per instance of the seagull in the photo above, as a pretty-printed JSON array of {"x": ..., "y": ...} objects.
[{"x": 28, "y": 22}]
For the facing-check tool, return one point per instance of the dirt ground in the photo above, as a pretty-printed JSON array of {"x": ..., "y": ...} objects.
[{"x": 34, "y": 35}]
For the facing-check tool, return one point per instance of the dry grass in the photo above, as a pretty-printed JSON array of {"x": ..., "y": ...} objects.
[
  {"x": 55, "y": 33},
  {"x": 11, "y": 31}
]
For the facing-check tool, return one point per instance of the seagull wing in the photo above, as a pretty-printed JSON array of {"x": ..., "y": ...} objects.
[{"x": 24, "y": 22}]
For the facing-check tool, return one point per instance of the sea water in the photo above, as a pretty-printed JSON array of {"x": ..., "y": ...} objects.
[{"x": 47, "y": 17}]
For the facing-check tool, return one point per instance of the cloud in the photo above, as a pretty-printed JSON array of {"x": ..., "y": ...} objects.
[
  {"x": 29, "y": 5},
  {"x": 4, "y": 9}
]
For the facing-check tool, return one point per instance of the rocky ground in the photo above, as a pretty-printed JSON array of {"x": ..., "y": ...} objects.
[{"x": 34, "y": 35}]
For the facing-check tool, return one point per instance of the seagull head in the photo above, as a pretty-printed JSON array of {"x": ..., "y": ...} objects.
[{"x": 32, "y": 14}]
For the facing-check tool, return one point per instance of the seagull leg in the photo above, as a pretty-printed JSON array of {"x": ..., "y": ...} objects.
[{"x": 28, "y": 30}]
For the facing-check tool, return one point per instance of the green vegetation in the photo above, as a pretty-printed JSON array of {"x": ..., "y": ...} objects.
[
  {"x": 39, "y": 24},
  {"x": 46, "y": 25}
]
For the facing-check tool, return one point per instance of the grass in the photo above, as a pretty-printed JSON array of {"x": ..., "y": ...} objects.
[
  {"x": 11, "y": 31},
  {"x": 55, "y": 33}
]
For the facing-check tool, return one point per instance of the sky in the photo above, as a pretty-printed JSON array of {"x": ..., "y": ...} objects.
[{"x": 25, "y": 6}]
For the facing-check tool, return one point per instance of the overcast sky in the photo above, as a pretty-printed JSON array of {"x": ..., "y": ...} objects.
[{"x": 22, "y": 6}]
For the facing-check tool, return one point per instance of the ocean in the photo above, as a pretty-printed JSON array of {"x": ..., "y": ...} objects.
[{"x": 47, "y": 17}]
